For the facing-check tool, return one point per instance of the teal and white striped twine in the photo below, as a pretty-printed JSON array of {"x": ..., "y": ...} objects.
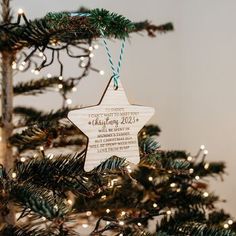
[{"x": 116, "y": 71}]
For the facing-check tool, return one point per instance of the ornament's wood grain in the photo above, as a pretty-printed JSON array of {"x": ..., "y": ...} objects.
[{"x": 111, "y": 126}]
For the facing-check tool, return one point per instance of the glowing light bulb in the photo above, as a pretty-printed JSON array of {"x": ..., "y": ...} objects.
[
  {"x": 230, "y": 222},
  {"x": 205, "y": 152},
  {"x": 49, "y": 75},
  {"x": 202, "y": 147},
  {"x": 85, "y": 225},
  {"x": 189, "y": 158},
  {"x": 123, "y": 213},
  {"x": 108, "y": 210},
  {"x": 21, "y": 67},
  {"x": 197, "y": 177},
  {"x": 41, "y": 54},
  {"x": 88, "y": 213},
  {"x": 101, "y": 72},
  {"x": 150, "y": 178},
  {"x": 68, "y": 101},
  {"x": 81, "y": 58},
  {"x": 172, "y": 185},
  {"x": 91, "y": 55},
  {"x": 168, "y": 212},
  {"x": 22, "y": 159},
  {"x": 82, "y": 64},
  {"x": 41, "y": 148},
  {"x": 74, "y": 89},
  {"x": 36, "y": 72},
  {"x": 20, "y": 11},
  {"x": 139, "y": 224},
  {"x": 13, "y": 175},
  {"x": 226, "y": 226},
  {"x": 205, "y": 194},
  {"x": 14, "y": 66},
  {"x": 70, "y": 202},
  {"x": 206, "y": 166},
  {"x": 191, "y": 170},
  {"x": 60, "y": 86},
  {"x": 121, "y": 223},
  {"x": 90, "y": 48},
  {"x": 154, "y": 205},
  {"x": 96, "y": 46},
  {"x": 60, "y": 77}
]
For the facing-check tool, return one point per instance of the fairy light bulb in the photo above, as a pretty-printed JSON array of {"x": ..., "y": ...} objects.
[
  {"x": 150, "y": 178},
  {"x": 202, "y": 147},
  {"x": 81, "y": 58},
  {"x": 96, "y": 46},
  {"x": 91, "y": 55},
  {"x": 32, "y": 71},
  {"x": 49, "y": 75},
  {"x": 50, "y": 156},
  {"x": 168, "y": 212},
  {"x": 189, "y": 158},
  {"x": 90, "y": 48},
  {"x": 206, "y": 166},
  {"x": 88, "y": 213},
  {"x": 191, "y": 170},
  {"x": 205, "y": 194},
  {"x": 36, "y": 72},
  {"x": 139, "y": 224},
  {"x": 108, "y": 222},
  {"x": 68, "y": 101},
  {"x": 230, "y": 222},
  {"x": 108, "y": 211},
  {"x": 20, "y": 11},
  {"x": 154, "y": 205},
  {"x": 23, "y": 159},
  {"x": 121, "y": 223},
  {"x": 74, "y": 89},
  {"x": 70, "y": 202},
  {"x": 60, "y": 86},
  {"x": 13, "y": 175},
  {"x": 82, "y": 64},
  {"x": 21, "y": 67},
  {"x": 226, "y": 226},
  {"x": 123, "y": 213},
  {"x": 197, "y": 177},
  {"x": 60, "y": 77},
  {"x": 205, "y": 152},
  {"x": 101, "y": 72},
  {"x": 85, "y": 226},
  {"x": 172, "y": 185},
  {"x": 14, "y": 66},
  {"x": 41, "y": 148},
  {"x": 41, "y": 54}
]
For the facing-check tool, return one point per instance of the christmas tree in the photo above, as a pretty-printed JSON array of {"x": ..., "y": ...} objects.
[{"x": 44, "y": 189}]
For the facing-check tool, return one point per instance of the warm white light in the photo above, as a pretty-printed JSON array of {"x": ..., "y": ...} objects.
[
  {"x": 68, "y": 101},
  {"x": 85, "y": 225},
  {"x": 123, "y": 213},
  {"x": 21, "y": 67},
  {"x": 49, "y": 75},
  {"x": 20, "y": 11},
  {"x": 101, "y": 72},
  {"x": 168, "y": 212},
  {"x": 230, "y": 222},
  {"x": 32, "y": 71},
  {"x": 172, "y": 185},
  {"x": 88, "y": 213},
  {"x": 82, "y": 64},
  {"x": 202, "y": 147},
  {"x": 41, "y": 54},
  {"x": 69, "y": 201},
  {"x": 139, "y": 224},
  {"x": 205, "y": 152},
  {"x": 96, "y": 46},
  {"x": 74, "y": 89},
  {"x": 178, "y": 190},
  {"x": 90, "y": 48},
  {"x": 226, "y": 226},
  {"x": 13, "y": 175},
  {"x": 60, "y": 77},
  {"x": 22, "y": 159},
  {"x": 121, "y": 223},
  {"x": 154, "y": 205},
  {"x": 103, "y": 197},
  {"x": 91, "y": 55},
  {"x": 60, "y": 86},
  {"x": 205, "y": 194},
  {"x": 81, "y": 58},
  {"x": 36, "y": 72},
  {"x": 189, "y": 158},
  {"x": 41, "y": 148},
  {"x": 191, "y": 170},
  {"x": 206, "y": 166},
  {"x": 150, "y": 178},
  {"x": 197, "y": 177},
  {"x": 108, "y": 211}
]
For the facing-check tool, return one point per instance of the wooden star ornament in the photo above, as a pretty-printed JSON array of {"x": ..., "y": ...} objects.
[{"x": 112, "y": 127}]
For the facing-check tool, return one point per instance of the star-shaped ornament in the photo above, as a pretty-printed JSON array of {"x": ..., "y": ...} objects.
[{"x": 112, "y": 127}]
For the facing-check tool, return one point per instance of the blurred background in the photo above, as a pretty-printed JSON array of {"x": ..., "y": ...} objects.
[{"x": 188, "y": 75}]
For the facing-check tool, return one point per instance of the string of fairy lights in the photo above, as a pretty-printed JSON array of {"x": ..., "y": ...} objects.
[{"x": 40, "y": 60}]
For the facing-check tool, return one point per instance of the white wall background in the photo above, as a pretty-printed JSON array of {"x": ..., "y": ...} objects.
[{"x": 189, "y": 75}]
